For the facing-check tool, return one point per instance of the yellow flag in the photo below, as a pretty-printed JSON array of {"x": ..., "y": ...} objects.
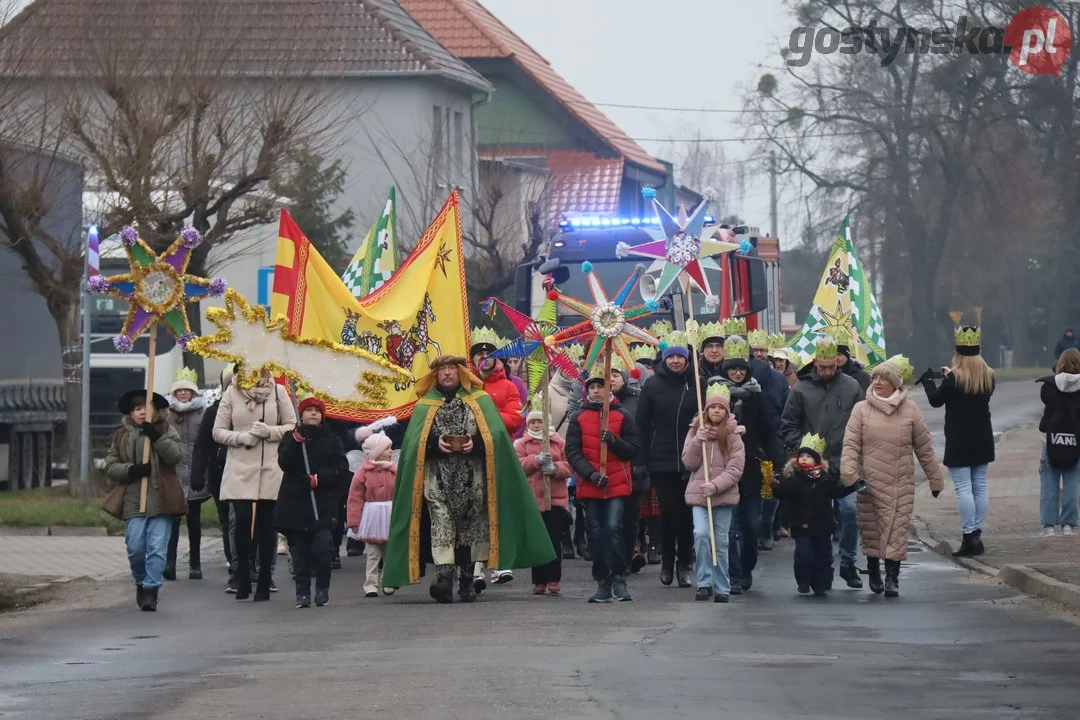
[{"x": 420, "y": 313}]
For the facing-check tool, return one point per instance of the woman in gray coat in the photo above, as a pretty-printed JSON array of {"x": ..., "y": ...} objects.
[{"x": 186, "y": 408}]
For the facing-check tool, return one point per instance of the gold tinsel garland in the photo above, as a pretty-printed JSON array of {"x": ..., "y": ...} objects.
[{"x": 766, "y": 480}]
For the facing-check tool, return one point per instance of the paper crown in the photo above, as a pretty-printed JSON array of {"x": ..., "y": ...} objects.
[
  {"x": 711, "y": 330},
  {"x": 487, "y": 335},
  {"x": 733, "y": 326},
  {"x": 825, "y": 349},
  {"x": 813, "y": 442},
  {"x": 841, "y": 335},
  {"x": 907, "y": 371},
  {"x": 758, "y": 339},
  {"x": 692, "y": 333},
  {"x": 968, "y": 336},
  {"x": 186, "y": 373},
  {"x": 661, "y": 328},
  {"x": 776, "y": 341},
  {"x": 536, "y": 402},
  {"x": 718, "y": 390},
  {"x": 643, "y": 352},
  {"x": 735, "y": 348},
  {"x": 675, "y": 338},
  {"x": 575, "y": 352}
]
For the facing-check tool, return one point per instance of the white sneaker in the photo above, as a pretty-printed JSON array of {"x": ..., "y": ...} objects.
[
  {"x": 1066, "y": 529},
  {"x": 501, "y": 577},
  {"x": 282, "y": 545},
  {"x": 1047, "y": 531}
]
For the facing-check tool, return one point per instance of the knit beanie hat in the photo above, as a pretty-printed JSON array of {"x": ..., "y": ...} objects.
[
  {"x": 313, "y": 402},
  {"x": 534, "y": 415},
  {"x": 376, "y": 445},
  {"x": 676, "y": 351},
  {"x": 889, "y": 371}
]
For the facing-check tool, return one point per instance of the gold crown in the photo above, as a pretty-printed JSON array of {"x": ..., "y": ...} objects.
[
  {"x": 907, "y": 371},
  {"x": 575, "y": 351},
  {"x": 675, "y": 338},
  {"x": 813, "y": 442},
  {"x": 734, "y": 326},
  {"x": 536, "y": 402},
  {"x": 643, "y": 352},
  {"x": 660, "y": 328},
  {"x": 777, "y": 341},
  {"x": 968, "y": 336},
  {"x": 842, "y": 335},
  {"x": 692, "y": 332},
  {"x": 712, "y": 330},
  {"x": 825, "y": 349},
  {"x": 758, "y": 339},
  {"x": 735, "y": 348},
  {"x": 487, "y": 335},
  {"x": 718, "y": 390},
  {"x": 189, "y": 374}
]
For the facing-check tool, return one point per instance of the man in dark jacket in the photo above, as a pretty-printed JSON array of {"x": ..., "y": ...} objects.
[
  {"x": 821, "y": 404},
  {"x": 1068, "y": 340},
  {"x": 666, "y": 407},
  {"x": 851, "y": 367}
]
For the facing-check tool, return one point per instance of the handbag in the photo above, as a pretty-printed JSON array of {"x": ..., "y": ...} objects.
[{"x": 113, "y": 504}]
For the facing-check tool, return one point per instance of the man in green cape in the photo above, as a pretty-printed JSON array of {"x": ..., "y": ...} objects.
[{"x": 458, "y": 459}]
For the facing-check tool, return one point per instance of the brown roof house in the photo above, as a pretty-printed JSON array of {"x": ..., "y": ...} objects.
[{"x": 537, "y": 121}]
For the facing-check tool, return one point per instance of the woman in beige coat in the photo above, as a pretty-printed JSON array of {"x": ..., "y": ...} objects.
[
  {"x": 879, "y": 440},
  {"x": 252, "y": 423}
]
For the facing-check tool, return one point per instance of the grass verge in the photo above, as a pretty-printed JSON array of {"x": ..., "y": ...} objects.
[{"x": 47, "y": 507}]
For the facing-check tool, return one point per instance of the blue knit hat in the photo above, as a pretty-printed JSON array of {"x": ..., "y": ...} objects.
[{"x": 676, "y": 351}]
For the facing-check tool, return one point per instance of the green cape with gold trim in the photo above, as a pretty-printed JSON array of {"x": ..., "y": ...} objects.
[{"x": 518, "y": 538}]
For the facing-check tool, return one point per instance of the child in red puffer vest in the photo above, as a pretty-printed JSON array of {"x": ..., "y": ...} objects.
[{"x": 603, "y": 490}]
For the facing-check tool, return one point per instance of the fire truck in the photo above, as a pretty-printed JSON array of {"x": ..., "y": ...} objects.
[{"x": 747, "y": 285}]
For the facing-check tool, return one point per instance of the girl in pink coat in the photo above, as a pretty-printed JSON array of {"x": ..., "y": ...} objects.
[
  {"x": 719, "y": 438},
  {"x": 553, "y": 466},
  {"x": 368, "y": 508}
]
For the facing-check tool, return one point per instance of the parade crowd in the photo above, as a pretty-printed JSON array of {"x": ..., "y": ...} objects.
[{"x": 697, "y": 459}]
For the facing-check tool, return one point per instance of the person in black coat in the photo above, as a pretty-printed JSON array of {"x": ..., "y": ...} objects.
[
  {"x": 314, "y": 473},
  {"x": 965, "y": 392},
  {"x": 666, "y": 407},
  {"x": 762, "y": 442},
  {"x": 207, "y": 469},
  {"x": 852, "y": 367}
]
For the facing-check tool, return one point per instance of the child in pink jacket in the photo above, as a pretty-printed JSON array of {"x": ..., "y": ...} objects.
[
  {"x": 538, "y": 464},
  {"x": 719, "y": 439},
  {"x": 368, "y": 509}
]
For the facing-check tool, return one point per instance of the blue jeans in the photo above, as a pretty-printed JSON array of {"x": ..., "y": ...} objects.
[
  {"x": 849, "y": 531},
  {"x": 972, "y": 500},
  {"x": 1058, "y": 485},
  {"x": 743, "y": 536},
  {"x": 147, "y": 545},
  {"x": 768, "y": 514},
  {"x": 604, "y": 523},
  {"x": 709, "y": 575}
]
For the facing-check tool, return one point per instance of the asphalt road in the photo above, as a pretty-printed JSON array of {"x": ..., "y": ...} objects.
[
  {"x": 1013, "y": 404},
  {"x": 954, "y": 646}
]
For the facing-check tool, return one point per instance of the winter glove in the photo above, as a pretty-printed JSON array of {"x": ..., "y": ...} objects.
[
  {"x": 928, "y": 375},
  {"x": 314, "y": 480},
  {"x": 860, "y": 486},
  {"x": 260, "y": 429},
  {"x": 543, "y": 458},
  {"x": 607, "y": 437},
  {"x": 598, "y": 480},
  {"x": 246, "y": 439},
  {"x": 547, "y": 468},
  {"x": 935, "y": 493},
  {"x": 705, "y": 433},
  {"x": 709, "y": 489},
  {"x": 138, "y": 471},
  {"x": 150, "y": 431}
]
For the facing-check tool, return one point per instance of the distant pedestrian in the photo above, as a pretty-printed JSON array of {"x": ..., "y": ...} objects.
[
  {"x": 370, "y": 504},
  {"x": 880, "y": 438},
  {"x": 1058, "y": 471},
  {"x": 547, "y": 473},
  {"x": 146, "y": 530},
  {"x": 965, "y": 392},
  {"x": 714, "y": 454},
  {"x": 1068, "y": 341},
  {"x": 186, "y": 408},
  {"x": 314, "y": 471}
]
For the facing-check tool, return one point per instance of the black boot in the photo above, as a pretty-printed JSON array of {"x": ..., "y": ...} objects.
[
  {"x": 682, "y": 574},
  {"x": 653, "y": 556},
  {"x": 139, "y": 595},
  {"x": 892, "y": 578},
  {"x": 243, "y": 581},
  {"x": 977, "y": 543},
  {"x": 667, "y": 574},
  {"x": 303, "y": 592},
  {"x": 583, "y": 552},
  {"x": 442, "y": 587},
  {"x": 195, "y": 564},
  {"x": 966, "y": 546},
  {"x": 850, "y": 575},
  {"x": 170, "y": 571},
  {"x": 873, "y": 571},
  {"x": 466, "y": 586},
  {"x": 150, "y": 599},
  {"x": 262, "y": 588},
  {"x": 354, "y": 548}
]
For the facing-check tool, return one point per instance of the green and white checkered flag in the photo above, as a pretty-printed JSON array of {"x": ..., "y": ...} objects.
[
  {"x": 844, "y": 301},
  {"x": 374, "y": 263}
]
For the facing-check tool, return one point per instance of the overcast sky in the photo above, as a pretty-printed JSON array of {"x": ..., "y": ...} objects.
[{"x": 669, "y": 53}]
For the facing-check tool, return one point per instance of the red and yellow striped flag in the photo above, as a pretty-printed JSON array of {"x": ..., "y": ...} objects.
[{"x": 420, "y": 313}]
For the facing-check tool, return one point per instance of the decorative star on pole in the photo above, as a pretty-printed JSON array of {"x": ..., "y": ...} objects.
[
  {"x": 158, "y": 287},
  {"x": 678, "y": 250},
  {"x": 608, "y": 322}
]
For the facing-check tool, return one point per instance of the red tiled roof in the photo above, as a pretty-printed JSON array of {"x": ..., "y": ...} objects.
[
  {"x": 583, "y": 183},
  {"x": 467, "y": 29},
  {"x": 321, "y": 37}
]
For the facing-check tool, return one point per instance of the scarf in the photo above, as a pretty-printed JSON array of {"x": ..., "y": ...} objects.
[
  {"x": 539, "y": 434},
  {"x": 196, "y": 403},
  {"x": 885, "y": 399},
  {"x": 383, "y": 464},
  {"x": 257, "y": 395}
]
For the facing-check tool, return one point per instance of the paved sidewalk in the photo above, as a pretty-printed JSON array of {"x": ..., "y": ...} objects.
[
  {"x": 1013, "y": 547},
  {"x": 97, "y": 558}
]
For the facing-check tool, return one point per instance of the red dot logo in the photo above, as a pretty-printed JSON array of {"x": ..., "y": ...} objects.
[{"x": 1040, "y": 40}]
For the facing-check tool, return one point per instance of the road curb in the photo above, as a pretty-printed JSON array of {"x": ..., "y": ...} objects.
[
  {"x": 945, "y": 549},
  {"x": 1033, "y": 582}
]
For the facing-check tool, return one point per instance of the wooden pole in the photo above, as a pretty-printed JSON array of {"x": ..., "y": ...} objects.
[
  {"x": 607, "y": 409},
  {"x": 545, "y": 442},
  {"x": 151, "y": 411},
  {"x": 701, "y": 423}
]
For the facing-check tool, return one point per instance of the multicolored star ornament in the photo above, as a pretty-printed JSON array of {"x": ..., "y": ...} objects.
[
  {"x": 157, "y": 286},
  {"x": 678, "y": 250},
  {"x": 608, "y": 320}
]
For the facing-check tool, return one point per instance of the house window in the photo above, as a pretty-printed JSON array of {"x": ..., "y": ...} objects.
[{"x": 459, "y": 144}]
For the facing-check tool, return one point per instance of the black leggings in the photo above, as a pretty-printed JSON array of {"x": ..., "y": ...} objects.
[
  {"x": 194, "y": 532},
  {"x": 265, "y": 537},
  {"x": 555, "y": 522},
  {"x": 676, "y": 520}
]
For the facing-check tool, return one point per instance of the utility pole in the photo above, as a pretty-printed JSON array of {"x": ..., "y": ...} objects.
[
  {"x": 774, "y": 231},
  {"x": 84, "y": 410}
]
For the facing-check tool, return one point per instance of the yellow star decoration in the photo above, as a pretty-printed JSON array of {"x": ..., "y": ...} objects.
[
  {"x": 836, "y": 322},
  {"x": 337, "y": 374}
]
